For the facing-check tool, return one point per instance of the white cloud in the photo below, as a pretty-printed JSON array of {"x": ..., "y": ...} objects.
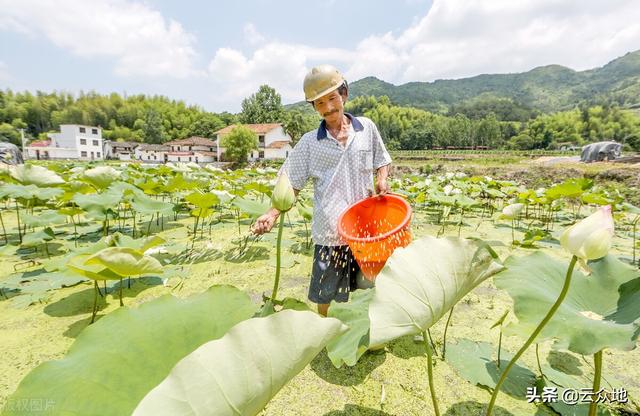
[
  {"x": 456, "y": 38},
  {"x": 252, "y": 35},
  {"x": 137, "y": 36}
]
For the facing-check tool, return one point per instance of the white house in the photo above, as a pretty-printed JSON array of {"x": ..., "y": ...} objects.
[
  {"x": 193, "y": 149},
  {"x": 273, "y": 141},
  {"x": 153, "y": 153},
  {"x": 119, "y": 150},
  {"x": 73, "y": 142}
]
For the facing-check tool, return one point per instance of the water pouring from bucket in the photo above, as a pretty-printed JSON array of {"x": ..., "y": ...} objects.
[{"x": 374, "y": 228}]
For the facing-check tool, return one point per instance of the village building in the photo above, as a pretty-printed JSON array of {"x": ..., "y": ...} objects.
[
  {"x": 193, "y": 149},
  {"x": 120, "y": 150},
  {"x": 151, "y": 153},
  {"x": 273, "y": 141},
  {"x": 74, "y": 141}
]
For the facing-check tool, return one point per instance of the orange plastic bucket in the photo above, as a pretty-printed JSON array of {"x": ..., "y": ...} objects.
[{"x": 374, "y": 228}]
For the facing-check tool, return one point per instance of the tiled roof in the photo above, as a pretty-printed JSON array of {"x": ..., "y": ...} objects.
[
  {"x": 193, "y": 141},
  {"x": 180, "y": 153},
  {"x": 40, "y": 143},
  {"x": 278, "y": 144},
  {"x": 124, "y": 144},
  {"x": 256, "y": 128},
  {"x": 154, "y": 147}
]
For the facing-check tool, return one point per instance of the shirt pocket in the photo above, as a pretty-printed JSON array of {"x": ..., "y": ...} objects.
[{"x": 365, "y": 160}]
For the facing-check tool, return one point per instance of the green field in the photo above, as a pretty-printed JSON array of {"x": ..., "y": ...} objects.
[{"x": 194, "y": 222}]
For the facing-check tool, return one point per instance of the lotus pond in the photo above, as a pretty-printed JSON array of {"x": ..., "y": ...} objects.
[{"x": 139, "y": 289}]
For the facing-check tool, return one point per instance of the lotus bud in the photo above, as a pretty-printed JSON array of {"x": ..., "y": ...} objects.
[
  {"x": 283, "y": 197},
  {"x": 512, "y": 211},
  {"x": 590, "y": 238}
]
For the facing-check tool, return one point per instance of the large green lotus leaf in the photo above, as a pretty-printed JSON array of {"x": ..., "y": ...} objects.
[
  {"x": 349, "y": 347},
  {"x": 600, "y": 310},
  {"x": 97, "y": 204},
  {"x": 422, "y": 281},
  {"x": 101, "y": 176},
  {"x": 44, "y": 218},
  {"x": 115, "y": 362},
  {"x": 145, "y": 205},
  {"x": 178, "y": 183},
  {"x": 571, "y": 188},
  {"x": 35, "y": 175},
  {"x": 140, "y": 244},
  {"x": 475, "y": 363},
  {"x": 239, "y": 373},
  {"x": 253, "y": 209},
  {"x": 38, "y": 238},
  {"x": 76, "y": 264},
  {"x": 30, "y": 192},
  {"x": 202, "y": 200},
  {"x": 125, "y": 261},
  {"x": 125, "y": 188}
]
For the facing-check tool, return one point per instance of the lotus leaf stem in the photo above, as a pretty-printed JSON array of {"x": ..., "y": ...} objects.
[
  {"x": 532, "y": 337},
  {"x": 274, "y": 293},
  {"x": 597, "y": 360},
  {"x": 432, "y": 388}
]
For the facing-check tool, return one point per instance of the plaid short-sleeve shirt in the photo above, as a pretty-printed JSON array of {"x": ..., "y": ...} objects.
[{"x": 341, "y": 176}]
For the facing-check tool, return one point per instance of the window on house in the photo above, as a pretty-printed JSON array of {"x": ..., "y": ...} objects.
[
  {"x": 261, "y": 139},
  {"x": 261, "y": 154},
  {"x": 189, "y": 158},
  {"x": 148, "y": 157},
  {"x": 178, "y": 158},
  {"x": 83, "y": 130},
  {"x": 83, "y": 141},
  {"x": 94, "y": 131},
  {"x": 286, "y": 154},
  {"x": 83, "y": 154},
  {"x": 98, "y": 154},
  {"x": 94, "y": 142}
]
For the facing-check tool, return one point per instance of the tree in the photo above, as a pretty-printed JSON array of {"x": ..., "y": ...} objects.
[
  {"x": 296, "y": 123},
  {"x": 153, "y": 129},
  {"x": 206, "y": 125},
  {"x": 238, "y": 144},
  {"x": 265, "y": 106},
  {"x": 9, "y": 134}
]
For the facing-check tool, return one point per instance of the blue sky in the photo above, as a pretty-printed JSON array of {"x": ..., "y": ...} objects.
[{"x": 213, "y": 54}]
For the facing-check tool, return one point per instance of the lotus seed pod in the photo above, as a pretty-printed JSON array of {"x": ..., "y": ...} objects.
[{"x": 590, "y": 238}]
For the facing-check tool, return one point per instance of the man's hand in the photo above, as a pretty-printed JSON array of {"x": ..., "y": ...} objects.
[
  {"x": 265, "y": 222},
  {"x": 382, "y": 187}
]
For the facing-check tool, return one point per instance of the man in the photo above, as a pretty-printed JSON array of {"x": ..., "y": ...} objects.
[{"x": 340, "y": 157}]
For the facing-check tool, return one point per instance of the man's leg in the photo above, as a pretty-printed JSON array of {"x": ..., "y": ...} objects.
[
  {"x": 330, "y": 279},
  {"x": 323, "y": 308}
]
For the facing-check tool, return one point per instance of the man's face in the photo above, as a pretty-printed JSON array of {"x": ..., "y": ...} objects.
[{"x": 330, "y": 106}]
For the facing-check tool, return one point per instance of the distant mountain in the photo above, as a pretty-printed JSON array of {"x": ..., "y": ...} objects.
[{"x": 547, "y": 88}]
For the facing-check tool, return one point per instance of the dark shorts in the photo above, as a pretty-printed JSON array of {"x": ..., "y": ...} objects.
[{"x": 333, "y": 275}]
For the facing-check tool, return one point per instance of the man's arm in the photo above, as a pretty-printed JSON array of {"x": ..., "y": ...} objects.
[{"x": 382, "y": 173}]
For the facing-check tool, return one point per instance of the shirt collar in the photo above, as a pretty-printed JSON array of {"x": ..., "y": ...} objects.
[{"x": 322, "y": 130}]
